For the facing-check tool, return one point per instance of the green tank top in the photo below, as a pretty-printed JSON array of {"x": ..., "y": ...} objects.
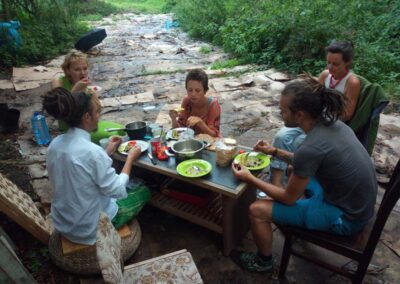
[{"x": 65, "y": 83}]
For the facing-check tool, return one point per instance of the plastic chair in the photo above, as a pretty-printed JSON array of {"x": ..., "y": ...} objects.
[{"x": 360, "y": 247}]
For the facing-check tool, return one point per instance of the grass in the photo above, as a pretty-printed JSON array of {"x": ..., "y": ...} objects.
[
  {"x": 205, "y": 49},
  {"x": 162, "y": 72},
  {"x": 142, "y": 6},
  {"x": 230, "y": 63}
]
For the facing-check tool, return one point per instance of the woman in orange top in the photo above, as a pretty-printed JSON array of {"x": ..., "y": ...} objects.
[{"x": 198, "y": 111}]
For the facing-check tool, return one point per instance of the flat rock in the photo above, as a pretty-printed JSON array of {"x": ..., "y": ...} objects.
[
  {"x": 28, "y": 78},
  {"x": 38, "y": 171},
  {"x": 43, "y": 189}
]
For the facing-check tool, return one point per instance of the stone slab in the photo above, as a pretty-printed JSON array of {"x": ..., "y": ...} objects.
[
  {"x": 28, "y": 78},
  {"x": 43, "y": 189},
  {"x": 38, "y": 171},
  {"x": 6, "y": 84}
]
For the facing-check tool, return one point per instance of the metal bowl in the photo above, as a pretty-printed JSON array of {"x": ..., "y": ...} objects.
[{"x": 188, "y": 149}]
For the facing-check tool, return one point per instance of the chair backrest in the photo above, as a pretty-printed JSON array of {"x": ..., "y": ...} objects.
[
  {"x": 18, "y": 206},
  {"x": 390, "y": 198}
]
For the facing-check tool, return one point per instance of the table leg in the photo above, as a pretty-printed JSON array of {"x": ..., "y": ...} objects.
[{"x": 235, "y": 218}]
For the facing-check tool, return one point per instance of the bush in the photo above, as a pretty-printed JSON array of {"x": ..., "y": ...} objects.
[
  {"x": 292, "y": 35},
  {"x": 48, "y": 28},
  {"x": 194, "y": 16}
]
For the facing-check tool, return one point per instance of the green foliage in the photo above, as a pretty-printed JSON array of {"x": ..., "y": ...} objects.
[
  {"x": 292, "y": 35},
  {"x": 205, "y": 49},
  {"x": 35, "y": 259},
  {"x": 44, "y": 35},
  {"x": 230, "y": 63},
  {"x": 196, "y": 18},
  {"x": 51, "y": 27},
  {"x": 169, "y": 6},
  {"x": 141, "y": 6}
]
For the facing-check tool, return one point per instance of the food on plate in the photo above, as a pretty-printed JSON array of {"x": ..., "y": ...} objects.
[
  {"x": 179, "y": 109},
  {"x": 129, "y": 146},
  {"x": 252, "y": 162},
  {"x": 176, "y": 133},
  {"x": 194, "y": 170}
]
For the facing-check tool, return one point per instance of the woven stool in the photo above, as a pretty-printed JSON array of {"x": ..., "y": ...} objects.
[{"x": 84, "y": 261}]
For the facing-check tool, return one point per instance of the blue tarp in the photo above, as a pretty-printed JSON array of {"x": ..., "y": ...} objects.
[{"x": 9, "y": 33}]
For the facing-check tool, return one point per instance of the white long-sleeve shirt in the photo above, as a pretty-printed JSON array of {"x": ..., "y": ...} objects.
[{"x": 84, "y": 184}]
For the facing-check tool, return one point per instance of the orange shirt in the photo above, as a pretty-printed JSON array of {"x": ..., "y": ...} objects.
[{"x": 212, "y": 117}]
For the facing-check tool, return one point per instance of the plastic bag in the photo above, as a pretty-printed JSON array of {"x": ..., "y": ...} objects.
[
  {"x": 225, "y": 151},
  {"x": 128, "y": 208}
]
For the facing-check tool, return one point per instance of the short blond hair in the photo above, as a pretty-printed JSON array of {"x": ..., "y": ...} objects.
[{"x": 71, "y": 57}]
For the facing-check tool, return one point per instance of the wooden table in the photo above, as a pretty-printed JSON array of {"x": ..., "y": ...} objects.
[{"x": 226, "y": 213}]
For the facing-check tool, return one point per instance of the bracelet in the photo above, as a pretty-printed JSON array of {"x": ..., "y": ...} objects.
[{"x": 275, "y": 153}]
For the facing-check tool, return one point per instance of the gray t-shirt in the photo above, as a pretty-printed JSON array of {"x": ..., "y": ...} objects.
[{"x": 341, "y": 164}]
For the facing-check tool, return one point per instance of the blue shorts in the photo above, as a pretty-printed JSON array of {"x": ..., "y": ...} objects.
[{"x": 315, "y": 213}]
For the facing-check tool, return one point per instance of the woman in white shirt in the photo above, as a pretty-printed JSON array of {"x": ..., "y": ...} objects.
[{"x": 80, "y": 172}]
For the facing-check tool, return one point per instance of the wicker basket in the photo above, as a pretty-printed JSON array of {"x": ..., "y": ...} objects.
[{"x": 84, "y": 261}]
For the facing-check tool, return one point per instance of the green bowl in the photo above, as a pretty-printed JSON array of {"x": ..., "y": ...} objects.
[
  {"x": 264, "y": 161},
  {"x": 101, "y": 132},
  {"x": 186, "y": 168}
]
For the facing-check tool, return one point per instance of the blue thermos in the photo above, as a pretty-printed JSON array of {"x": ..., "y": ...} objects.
[{"x": 40, "y": 129}]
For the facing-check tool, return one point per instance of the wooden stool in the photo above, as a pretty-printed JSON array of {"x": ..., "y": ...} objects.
[
  {"x": 69, "y": 247},
  {"x": 82, "y": 259}
]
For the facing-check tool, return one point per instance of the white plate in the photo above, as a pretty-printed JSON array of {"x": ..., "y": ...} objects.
[
  {"x": 142, "y": 144},
  {"x": 175, "y": 133}
]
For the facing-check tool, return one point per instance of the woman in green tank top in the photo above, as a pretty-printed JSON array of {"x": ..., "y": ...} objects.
[{"x": 75, "y": 80}]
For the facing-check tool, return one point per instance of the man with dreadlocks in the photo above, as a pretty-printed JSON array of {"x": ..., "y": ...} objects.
[{"x": 330, "y": 168}]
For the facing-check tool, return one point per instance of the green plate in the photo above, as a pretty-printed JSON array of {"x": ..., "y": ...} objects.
[
  {"x": 264, "y": 160},
  {"x": 194, "y": 168}
]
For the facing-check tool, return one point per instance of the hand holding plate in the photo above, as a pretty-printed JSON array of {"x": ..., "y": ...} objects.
[{"x": 241, "y": 172}]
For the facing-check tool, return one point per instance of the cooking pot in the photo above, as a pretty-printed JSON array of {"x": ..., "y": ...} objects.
[
  {"x": 188, "y": 149},
  {"x": 135, "y": 130}
]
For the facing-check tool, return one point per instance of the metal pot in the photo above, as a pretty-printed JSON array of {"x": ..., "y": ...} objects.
[
  {"x": 188, "y": 149},
  {"x": 135, "y": 130}
]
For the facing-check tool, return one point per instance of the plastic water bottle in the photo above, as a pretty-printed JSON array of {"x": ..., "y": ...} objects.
[{"x": 40, "y": 129}]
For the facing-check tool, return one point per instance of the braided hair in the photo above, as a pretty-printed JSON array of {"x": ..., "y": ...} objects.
[
  {"x": 314, "y": 98},
  {"x": 63, "y": 105}
]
